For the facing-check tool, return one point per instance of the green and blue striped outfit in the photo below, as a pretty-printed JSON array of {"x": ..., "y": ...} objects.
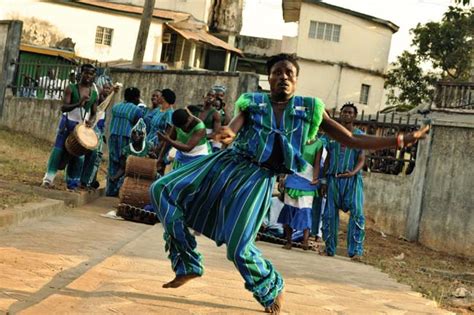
[
  {"x": 59, "y": 155},
  {"x": 346, "y": 194},
  {"x": 226, "y": 195},
  {"x": 124, "y": 117},
  {"x": 202, "y": 149},
  {"x": 299, "y": 192}
]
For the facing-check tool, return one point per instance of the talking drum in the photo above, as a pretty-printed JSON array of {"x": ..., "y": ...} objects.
[
  {"x": 135, "y": 192},
  {"x": 82, "y": 140},
  {"x": 140, "y": 167},
  {"x": 135, "y": 214}
]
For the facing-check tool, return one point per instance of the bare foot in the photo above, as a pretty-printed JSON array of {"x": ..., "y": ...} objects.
[
  {"x": 356, "y": 258},
  {"x": 180, "y": 280},
  {"x": 277, "y": 305},
  {"x": 287, "y": 246}
]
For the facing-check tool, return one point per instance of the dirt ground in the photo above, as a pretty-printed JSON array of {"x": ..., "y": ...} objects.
[
  {"x": 23, "y": 159},
  {"x": 9, "y": 198},
  {"x": 435, "y": 275}
]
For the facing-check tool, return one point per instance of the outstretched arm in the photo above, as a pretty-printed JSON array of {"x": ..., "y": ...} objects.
[{"x": 344, "y": 136}]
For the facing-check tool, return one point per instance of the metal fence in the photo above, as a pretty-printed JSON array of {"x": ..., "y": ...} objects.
[
  {"x": 388, "y": 161},
  {"x": 47, "y": 80}
]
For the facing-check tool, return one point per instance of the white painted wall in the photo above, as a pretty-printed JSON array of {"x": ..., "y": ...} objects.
[
  {"x": 81, "y": 24},
  {"x": 335, "y": 86},
  {"x": 362, "y": 43}
]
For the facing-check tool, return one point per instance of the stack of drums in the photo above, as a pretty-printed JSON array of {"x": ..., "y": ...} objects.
[{"x": 134, "y": 194}]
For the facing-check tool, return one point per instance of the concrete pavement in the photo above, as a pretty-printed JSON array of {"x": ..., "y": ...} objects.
[{"x": 82, "y": 263}]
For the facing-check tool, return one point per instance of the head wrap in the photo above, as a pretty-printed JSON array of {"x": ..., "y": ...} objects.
[
  {"x": 219, "y": 88},
  {"x": 140, "y": 127}
]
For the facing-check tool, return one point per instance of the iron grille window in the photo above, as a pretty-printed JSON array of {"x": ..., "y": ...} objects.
[
  {"x": 324, "y": 31},
  {"x": 364, "y": 94},
  {"x": 103, "y": 35}
]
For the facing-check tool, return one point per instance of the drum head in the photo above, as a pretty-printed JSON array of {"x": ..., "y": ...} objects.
[{"x": 86, "y": 137}]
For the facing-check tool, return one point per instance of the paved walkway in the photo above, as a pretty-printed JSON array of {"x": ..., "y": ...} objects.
[{"x": 83, "y": 263}]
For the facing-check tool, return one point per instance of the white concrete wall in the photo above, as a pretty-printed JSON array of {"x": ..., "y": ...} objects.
[
  {"x": 362, "y": 43},
  {"x": 81, "y": 24},
  {"x": 335, "y": 86}
]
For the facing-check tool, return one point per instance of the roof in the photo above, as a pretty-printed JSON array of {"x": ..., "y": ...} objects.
[
  {"x": 291, "y": 12},
  {"x": 48, "y": 51},
  {"x": 192, "y": 31},
  {"x": 131, "y": 9}
]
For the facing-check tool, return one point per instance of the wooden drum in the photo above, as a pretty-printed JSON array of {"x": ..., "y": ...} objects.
[
  {"x": 135, "y": 192},
  {"x": 82, "y": 140},
  {"x": 139, "y": 167},
  {"x": 135, "y": 214}
]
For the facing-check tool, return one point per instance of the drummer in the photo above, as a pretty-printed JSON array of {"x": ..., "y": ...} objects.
[
  {"x": 80, "y": 99},
  {"x": 124, "y": 116},
  {"x": 188, "y": 137},
  {"x": 138, "y": 146},
  {"x": 93, "y": 158}
]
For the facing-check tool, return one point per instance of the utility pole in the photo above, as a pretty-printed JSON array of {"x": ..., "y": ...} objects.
[{"x": 142, "y": 37}]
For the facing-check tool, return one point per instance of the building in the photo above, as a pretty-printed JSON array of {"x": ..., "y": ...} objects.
[
  {"x": 107, "y": 31},
  {"x": 343, "y": 54}
]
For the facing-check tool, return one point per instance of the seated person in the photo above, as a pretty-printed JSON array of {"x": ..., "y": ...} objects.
[{"x": 137, "y": 147}]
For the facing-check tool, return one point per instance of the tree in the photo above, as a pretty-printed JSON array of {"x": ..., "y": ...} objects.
[
  {"x": 408, "y": 85},
  {"x": 446, "y": 45}
]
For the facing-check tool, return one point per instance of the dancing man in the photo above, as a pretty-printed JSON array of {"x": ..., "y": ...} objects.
[{"x": 226, "y": 195}]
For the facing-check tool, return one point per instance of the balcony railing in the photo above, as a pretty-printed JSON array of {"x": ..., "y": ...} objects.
[{"x": 454, "y": 95}]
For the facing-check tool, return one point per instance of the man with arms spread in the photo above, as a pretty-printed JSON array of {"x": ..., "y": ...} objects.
[{"x": 225, "y": 195}]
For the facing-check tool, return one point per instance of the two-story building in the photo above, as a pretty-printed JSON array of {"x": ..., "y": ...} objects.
[
  {"x": 107, "y": 31},
  {"x": 343, "y": 54}
]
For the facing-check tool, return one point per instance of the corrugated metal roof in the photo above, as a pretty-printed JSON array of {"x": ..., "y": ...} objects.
[
  {"x": 200, "y": 35},
  {"x": 127, "y": 8}
]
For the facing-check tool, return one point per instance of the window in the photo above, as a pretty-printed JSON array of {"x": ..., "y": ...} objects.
[
  {"x": 364, "y": 94},
  {"x": 103, "y": 35},
  {"x": 325, "y": 31}
]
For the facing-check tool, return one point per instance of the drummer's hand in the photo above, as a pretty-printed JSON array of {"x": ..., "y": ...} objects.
[
  {"x": 225, "y": 135},
  {"x": 163, "y": 137},
  {"x": 88, "y": 123},
  {"x": 116, "y": 88}
]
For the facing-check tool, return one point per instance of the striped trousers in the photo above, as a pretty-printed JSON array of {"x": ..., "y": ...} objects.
[
  {"x": 116, "y": 144},
  {"x": 225, "y": 197},
  {"x": 346, "y": 194}
]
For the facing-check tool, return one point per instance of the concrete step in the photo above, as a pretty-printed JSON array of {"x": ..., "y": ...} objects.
[
  {"x": 71, "y": 199},
  {"x": 32, "y": 211}
]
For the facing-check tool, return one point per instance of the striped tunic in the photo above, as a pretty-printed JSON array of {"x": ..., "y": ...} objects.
[
  {"x": 346, "y": 194},
  {"x": 158, "y": 122},
  {"x": 124, "y": 116},
  {"x": 226, "y": 195}
]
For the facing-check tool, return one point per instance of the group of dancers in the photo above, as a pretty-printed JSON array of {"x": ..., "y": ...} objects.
[{"x": 224, "y": 170}]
